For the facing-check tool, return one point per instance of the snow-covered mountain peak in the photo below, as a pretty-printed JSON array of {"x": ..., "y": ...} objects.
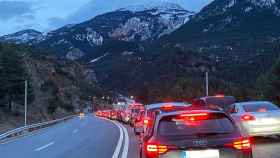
[
  {"x": 161, "y": 6},
  {"x": 25, "y": 36}
]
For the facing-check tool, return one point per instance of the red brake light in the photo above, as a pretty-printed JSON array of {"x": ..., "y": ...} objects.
[
  {"x": 156, "y": 149},
  {"x": 167, "y": 107},
  {"x": 248, "y": 117},
  {"x": 146, "y": 121},
  {"x": 195, "y": 116}
]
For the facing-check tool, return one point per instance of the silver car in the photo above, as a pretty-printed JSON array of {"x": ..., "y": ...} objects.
[{"x": 258, "y": 118}]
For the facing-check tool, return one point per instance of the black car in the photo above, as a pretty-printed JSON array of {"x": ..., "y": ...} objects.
[{"x": 195, "y": 134}]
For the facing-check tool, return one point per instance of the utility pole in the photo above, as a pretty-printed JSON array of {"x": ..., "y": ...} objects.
[
  {"x": 25, "y": 103},
  {"x": 206, "y": 83}
]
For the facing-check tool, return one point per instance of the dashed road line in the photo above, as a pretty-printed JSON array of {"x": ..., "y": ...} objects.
[
  {"x": 75, "y": 131},
  {"x": 45, "y": 146}
]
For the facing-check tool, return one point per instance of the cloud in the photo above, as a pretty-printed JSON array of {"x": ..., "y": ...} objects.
[{"x": 13, "y": 9}]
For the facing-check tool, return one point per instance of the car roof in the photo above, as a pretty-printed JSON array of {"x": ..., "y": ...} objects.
[
  {"x": 158, "y": 105},
  {"x": 253, "y": 102},
  {"x": 225, "y": 97}
]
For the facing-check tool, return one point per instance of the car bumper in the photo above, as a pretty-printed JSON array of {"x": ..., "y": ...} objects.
[
  {"x": 262, "y": 130},
  {"x": 222, "y": 154}
]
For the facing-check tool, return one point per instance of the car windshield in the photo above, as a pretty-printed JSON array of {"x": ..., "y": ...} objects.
[
  {"x": 174, "y": 127},
  {"x": 260, "y": 107}
]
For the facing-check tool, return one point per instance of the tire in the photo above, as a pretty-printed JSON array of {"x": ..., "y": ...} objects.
[{"x": 141, "y": 153}]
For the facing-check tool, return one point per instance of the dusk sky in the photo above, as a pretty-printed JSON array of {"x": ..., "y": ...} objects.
[{"x": 45, "y": 15}]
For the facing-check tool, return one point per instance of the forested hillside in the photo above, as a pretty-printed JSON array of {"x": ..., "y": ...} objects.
[{"x": 56, "y": 87}]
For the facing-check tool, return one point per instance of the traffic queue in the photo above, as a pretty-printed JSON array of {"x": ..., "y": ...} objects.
[{"x": 208, "y": 127}]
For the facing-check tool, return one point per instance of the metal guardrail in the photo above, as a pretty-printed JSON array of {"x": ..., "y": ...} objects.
[{"x": 29, "y": 128}]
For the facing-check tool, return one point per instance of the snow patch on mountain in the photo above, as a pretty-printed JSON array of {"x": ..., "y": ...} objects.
[
  {"x": 74, "y": 54},
  {"x": 169, "y": 17},
  {"x": 97, "y": 59},
  {"x": 248, "y": 9},
  {"x": 263, "y": 3},
  {"x": 90, "y": 36},
  {"x": 24, "y": 37},
  {"x": 132, "y": 28},
  {"x": 231, "y": 4},
  {"x": 162, "y": 6}
]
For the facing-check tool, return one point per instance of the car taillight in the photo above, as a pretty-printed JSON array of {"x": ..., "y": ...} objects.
[
  {"x": 147, "y": 121},
  {"x": 167, "y": 107},
  {"x": 159, "y": 149},
  {"x": 243, "y": 144},
  {"x": 194, "y": 116},
  {"x": 248, "y": 117}
]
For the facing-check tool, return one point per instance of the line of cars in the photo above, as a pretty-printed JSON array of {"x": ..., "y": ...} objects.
[
  {"x": 209, "y": 127},
  {"x": 128, "y": 115}
]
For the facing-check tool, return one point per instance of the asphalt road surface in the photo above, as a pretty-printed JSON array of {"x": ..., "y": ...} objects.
[{"x": 91, "y": 137}]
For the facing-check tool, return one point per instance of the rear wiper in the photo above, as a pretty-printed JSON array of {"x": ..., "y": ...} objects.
[{"x": 211, "y": 133}]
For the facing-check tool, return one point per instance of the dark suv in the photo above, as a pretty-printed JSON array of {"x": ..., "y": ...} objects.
[{"x": 195, "y": 134}]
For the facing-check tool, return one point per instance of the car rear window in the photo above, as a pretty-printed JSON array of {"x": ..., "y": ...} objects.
[
  {"x": 171, "y": 126},
  {"x": 259, "y": 107},
  {"x": 220, "y": 101}
]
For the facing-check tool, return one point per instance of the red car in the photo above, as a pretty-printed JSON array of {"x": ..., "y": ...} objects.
[
  {"x": 139, "y": 122},
  {"x": 113, "y": 114},
  {"x": 98, "y": 113},
  {"x": 130, "y": 113},
  {"x": 106, "y": 113}
]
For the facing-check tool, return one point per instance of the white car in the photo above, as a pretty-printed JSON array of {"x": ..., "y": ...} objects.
[{"x": 258, "y": 118}]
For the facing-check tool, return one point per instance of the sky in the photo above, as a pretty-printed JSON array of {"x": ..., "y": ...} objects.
[{"x": 46, "y": 15}]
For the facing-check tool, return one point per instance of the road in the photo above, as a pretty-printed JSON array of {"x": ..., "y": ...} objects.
[{"x": 91, "y": 137}]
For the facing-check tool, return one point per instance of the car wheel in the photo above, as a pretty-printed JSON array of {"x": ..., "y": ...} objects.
[{"x": 141, "y": 153}]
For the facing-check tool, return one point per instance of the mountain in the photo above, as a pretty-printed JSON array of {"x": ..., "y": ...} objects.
[
  {"x": 133, "y": 24},
  {"x": 236, "y": 41},
  {"x": 238, "y": 35},
  {"x": 164, "y": 51},
  {"x": 29, "y": 36},
  {"x": 125, "y": 25}
]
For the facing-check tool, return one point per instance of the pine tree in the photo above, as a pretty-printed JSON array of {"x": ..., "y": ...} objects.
[{"x": 12, "y": 75}]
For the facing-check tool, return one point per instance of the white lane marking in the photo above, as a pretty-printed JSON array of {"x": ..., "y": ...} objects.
[
  {"x": 75, "y": 131},
  {"x": 119, "y": 145},
  {"x": 45, "y": 146},
  {"x": 126, "y": 143}
]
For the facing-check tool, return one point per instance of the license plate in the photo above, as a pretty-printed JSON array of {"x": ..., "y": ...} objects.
[{"x": 201, "y": 154}]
